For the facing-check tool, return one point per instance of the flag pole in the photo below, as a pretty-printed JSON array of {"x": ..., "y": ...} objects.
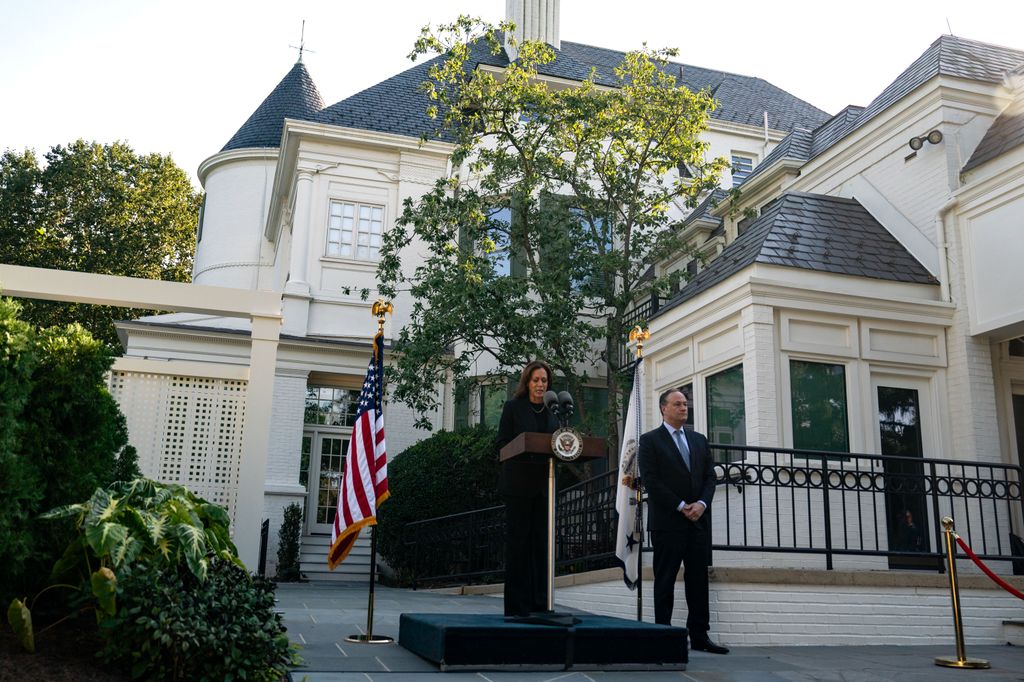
[
  {"x": 380, "y": 309},
  {"x": 638, "y": 336}
]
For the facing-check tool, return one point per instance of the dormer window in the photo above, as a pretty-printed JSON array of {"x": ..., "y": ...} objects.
[
  {"x": 354, "y": 230},
  {"x": 742, "y": 165}
]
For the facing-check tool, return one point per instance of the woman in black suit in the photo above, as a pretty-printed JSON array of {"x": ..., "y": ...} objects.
[{"x": 523, "y": 484}]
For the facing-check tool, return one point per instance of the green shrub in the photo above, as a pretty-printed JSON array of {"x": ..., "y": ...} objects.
[
  {"x": 134, "y": 523},
  {"x": 170, "y": 625},
  {"x": 61, "y": 435},
  {"x": 447, "y": 473},
  {"x": 288, "y": 539}
]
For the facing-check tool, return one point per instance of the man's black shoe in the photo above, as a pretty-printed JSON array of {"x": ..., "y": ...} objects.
[{"x": 708, "y": 646}]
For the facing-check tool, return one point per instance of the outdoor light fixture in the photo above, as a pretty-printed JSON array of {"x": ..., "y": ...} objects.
[{"x": 934, "y": 137}]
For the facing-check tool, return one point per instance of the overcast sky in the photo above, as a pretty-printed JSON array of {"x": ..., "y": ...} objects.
[{"x": 180, "y": 77}]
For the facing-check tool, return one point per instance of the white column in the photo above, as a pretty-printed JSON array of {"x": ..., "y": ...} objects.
[
  {"x": 297, "y": 296},
  {"x": 760, "y": 373},
  {"x": 256, "y": 438},
  {"x": 298, "y": 262}
]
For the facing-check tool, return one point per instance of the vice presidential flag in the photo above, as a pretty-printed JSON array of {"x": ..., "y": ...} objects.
[
  {"x": 364, "y": 485},
  {"x": 627, "y": 540}
]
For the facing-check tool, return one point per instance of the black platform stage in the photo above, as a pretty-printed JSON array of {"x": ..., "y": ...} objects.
[{"x": 456, "y": 641}]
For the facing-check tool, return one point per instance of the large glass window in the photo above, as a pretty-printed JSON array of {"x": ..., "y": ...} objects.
[
  {"x": 355, "y": 230},
  {"x": 727, "y": 419},
  {"x": 819, "y": 406},
  {"x": 330, "y": 406}
]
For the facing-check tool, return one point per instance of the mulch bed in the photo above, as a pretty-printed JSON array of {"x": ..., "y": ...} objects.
[{"x": 65, "y": 653}]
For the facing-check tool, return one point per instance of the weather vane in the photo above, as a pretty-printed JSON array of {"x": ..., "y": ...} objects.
[{"x": 302, "y": 42}]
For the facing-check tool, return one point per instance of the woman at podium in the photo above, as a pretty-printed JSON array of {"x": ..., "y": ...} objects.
[{"x": 524, "y": 485}]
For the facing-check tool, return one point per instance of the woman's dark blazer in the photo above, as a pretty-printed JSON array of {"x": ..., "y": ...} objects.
[{"x": 526, "y": 475}]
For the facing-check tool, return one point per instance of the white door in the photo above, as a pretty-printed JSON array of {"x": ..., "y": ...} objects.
[{"x": 326, "y": 464}]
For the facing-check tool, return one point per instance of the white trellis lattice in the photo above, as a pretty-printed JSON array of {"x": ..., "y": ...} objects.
[{"x": 186, "y": 429}]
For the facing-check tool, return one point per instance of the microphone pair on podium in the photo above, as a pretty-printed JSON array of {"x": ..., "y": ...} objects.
[{"x": 560, "y": 404}]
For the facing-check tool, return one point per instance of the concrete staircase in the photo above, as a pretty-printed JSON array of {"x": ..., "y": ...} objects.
[{"x": 313, "y": 560}]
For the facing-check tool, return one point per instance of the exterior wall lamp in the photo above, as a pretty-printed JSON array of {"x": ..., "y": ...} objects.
[{"x": 934, "y": 137}]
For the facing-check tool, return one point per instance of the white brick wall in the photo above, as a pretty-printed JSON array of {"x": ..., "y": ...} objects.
[
  {"x": 766, "y": 614},
  {"x": 970, "y": 382},
  {"x": 283, "y": 457},
  {"x": 760, "y": 376},
  {"x": 917, "y": 200},
  {"x": 401, "y": 432},
  {"x": 284, "y": 449}
]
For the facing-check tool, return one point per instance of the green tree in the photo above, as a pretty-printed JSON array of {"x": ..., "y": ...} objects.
[
  {"x": 96, "y": 208},
  {"x": 61, "y": 437},
  {"x": 558, "y": 203}
]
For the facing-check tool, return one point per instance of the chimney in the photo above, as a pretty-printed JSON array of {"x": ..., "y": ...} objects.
[{"x": 534, "y": 20}]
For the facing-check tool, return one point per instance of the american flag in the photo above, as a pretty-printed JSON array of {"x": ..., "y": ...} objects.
[{"x": 364, "y": 485}]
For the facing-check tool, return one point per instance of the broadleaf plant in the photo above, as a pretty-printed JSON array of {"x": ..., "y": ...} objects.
[{"x": 134, "y": 523}]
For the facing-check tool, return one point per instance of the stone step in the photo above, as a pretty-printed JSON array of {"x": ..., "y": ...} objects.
[
  {"x": 1013, "y": 630},
  {"x": 313, "y": 561}
]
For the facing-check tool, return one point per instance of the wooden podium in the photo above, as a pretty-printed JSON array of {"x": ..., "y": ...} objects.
[{"x": 533, "y": 443}]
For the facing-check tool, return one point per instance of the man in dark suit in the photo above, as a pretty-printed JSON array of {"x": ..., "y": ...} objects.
[{"x": 677, "y": 471}]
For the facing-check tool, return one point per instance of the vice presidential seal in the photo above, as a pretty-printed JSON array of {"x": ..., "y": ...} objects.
[{"x": 567, "y": 443}]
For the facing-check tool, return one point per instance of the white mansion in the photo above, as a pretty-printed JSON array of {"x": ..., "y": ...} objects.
[{"x": 881, "y": 265}]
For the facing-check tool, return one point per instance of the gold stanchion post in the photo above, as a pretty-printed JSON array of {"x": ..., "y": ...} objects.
[
  {"x": 961, "y": 660},
  {"x": 380, "y": 309}
]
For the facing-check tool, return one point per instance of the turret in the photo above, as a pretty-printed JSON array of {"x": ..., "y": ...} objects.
[{"x": 238, "y": 181}]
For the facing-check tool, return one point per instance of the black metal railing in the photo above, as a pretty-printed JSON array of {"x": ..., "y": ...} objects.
[
  {"x": 471, "y": 546},
  {"x": 852, "y": 507},
  {"x": 264, "y": 537},
  {"x": 858, "y": 505}
]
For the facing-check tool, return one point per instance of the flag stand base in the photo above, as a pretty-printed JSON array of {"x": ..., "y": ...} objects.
[{"x": 370, "y": 639}]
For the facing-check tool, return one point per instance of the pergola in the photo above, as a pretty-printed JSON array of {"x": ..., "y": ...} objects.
[{"x": 262, "y": 308}]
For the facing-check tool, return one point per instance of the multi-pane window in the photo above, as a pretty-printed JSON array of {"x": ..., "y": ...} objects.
[
  {"x": 741, "y": 167},
  {"x": 330, "y": 406},
  {"x": 727, "y": 419},
  {"x": 819, "y": 406},
  {"x": 355, "y": 230}
]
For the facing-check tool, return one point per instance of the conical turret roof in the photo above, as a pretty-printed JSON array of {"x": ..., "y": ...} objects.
[{"x": 295, "y": 96}]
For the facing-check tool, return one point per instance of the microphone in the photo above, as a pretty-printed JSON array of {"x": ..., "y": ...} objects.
[
  {"x": 566, "y": 406},
  {"x": 551, "y": 402}
]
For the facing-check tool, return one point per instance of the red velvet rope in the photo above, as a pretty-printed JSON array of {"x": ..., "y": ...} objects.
[{"x": 995, "y": 578}]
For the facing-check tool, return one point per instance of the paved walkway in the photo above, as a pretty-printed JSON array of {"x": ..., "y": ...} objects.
[{"x": 320, "y": 616}]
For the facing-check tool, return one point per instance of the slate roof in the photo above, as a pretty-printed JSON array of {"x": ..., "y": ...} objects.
[
  {"x": 295, "y": 96},
  {"x": 1005, "y": 133},
  {"x": 742, "y": 99},
  {"x": 812, "y": 232},
  {"x": 393, "y": 106},
  {"x": 948, "y": 56},
  {"x": 795, "y": 146},
  {"x": 703, "y": 210},
  {"x": 396, "y": 106}
]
